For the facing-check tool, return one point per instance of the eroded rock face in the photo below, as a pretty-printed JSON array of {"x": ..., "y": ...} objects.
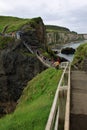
[
  {"x": 17, "y": 67},
  {"x": 34, "y": 34},
  {"x": 54, "y": 38}
]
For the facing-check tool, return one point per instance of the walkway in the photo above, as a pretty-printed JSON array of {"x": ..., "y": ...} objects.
[
  {"x": 70, "y": 116},
  {"x": 78, "y": 111},
  {"x": 71, "y": 112},
  {"x": 46, "y": 62}
]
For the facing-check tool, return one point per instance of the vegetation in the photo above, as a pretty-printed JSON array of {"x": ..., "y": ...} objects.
[
  {"x": 14, "y": 23},
  {"x": 80, "y": 55},
  {"x": 4, "y": 41},
  {"x": 56, "y": 28},
  {"x": 35, "y": 103},
  {"x": 51, "y": 54}
]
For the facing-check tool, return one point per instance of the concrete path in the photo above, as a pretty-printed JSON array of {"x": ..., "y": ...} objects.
[{"x": 78, "y": 111}]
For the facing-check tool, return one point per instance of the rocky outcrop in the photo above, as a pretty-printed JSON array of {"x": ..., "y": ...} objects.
[
  {"x": 68, "y": 50},
  {"x": 18, "y": 66},
  {"x": 34, "y": 33}
]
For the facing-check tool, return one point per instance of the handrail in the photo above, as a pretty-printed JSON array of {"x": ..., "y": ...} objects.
[
  {"x": 52, "y": 115},
  {"x": 45, "y": 63},
  {"x": 28, "y": 47},
  {"x": 56, "y": 123},
  {"x": 67, "y": 112}
]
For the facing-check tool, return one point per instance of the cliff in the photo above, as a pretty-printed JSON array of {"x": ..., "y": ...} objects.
[
  {"x": 34, "y": 105},
  {"x": 60, "y": 35},
  {"x": 17, "y": 64}
]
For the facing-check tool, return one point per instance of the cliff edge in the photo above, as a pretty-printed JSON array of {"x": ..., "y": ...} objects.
[{"x": 17, "y": 64}]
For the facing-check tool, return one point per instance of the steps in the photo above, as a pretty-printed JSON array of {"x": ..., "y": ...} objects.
[{"x": 78, "y": 111}]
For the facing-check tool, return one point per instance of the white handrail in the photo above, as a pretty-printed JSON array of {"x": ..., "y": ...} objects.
[
  {"x": 56, "y": 123},
  {"x": 51, "y": 118},
  {"x": 47, "y": 65},
  {"x": 67, "y": 112},
  {"x": 28, "y": 47}
]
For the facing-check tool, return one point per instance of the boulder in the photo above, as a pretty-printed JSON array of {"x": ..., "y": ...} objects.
[{"x": 68, "y": 50}]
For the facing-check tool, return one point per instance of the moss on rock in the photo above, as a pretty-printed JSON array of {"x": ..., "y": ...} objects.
[{"x": 4, "y": 41}]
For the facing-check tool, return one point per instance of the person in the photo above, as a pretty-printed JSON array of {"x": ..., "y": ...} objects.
[
  {"x": 56, "y": 64},
  {"x": 58, "y": 59}
]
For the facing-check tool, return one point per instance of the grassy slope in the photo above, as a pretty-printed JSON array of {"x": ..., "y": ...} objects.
[
  {"x": 80, "y": 55},
  {"x": 15, "y": 23},
  {"x": 35, "y": 103},
  {"x": 54, "y": 28}
]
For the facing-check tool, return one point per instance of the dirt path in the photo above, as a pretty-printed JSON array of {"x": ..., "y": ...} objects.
[{"x": 78, "y": 112}]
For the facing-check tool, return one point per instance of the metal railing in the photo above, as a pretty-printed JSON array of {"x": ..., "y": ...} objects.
[
  {"x": 58, "y": 119},
  {"x": 28, "y": 47}
]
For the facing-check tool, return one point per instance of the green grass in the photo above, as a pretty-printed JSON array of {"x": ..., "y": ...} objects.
[
  {"x": 54, "y": 28},
  {"x": 80, "y": 55},
  {"x": 15, "y": 23},
  {"x": 35, "y": 103},
  {"x": 4, "y": 41}
]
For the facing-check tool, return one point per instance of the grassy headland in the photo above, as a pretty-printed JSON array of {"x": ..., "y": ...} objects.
[
  {"x": 35, "y": 103},
  {"x": 14, "y": 23},
  {"x": 54, "y": 28}
]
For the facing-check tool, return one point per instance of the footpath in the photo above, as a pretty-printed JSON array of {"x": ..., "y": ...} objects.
[{"x": 78, "y": 107}]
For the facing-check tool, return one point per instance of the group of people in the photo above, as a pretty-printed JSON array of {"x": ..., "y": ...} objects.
[{"x": 54, "y": 63}]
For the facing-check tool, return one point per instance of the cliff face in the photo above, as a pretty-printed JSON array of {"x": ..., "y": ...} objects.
[
  {"x": 62, "y": 38},
  {"x": 35, "y": 30},
  {"x": 85, "y": 36},
  {"x": 18, "y": 66},
  {"x": 59, "y": 35}
]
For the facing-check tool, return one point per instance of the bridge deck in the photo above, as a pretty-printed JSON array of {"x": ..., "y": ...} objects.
[{"x": 78, "y": 107}]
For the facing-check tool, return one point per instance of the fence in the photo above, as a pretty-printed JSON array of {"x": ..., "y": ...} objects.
[{"x": 58, "y": 118}]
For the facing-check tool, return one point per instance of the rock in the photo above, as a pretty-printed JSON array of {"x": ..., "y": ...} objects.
[
  {"x": 68, "y": 50},
  {"x": 34, "y": 33},
  {"x": 18, "y": 66}
]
